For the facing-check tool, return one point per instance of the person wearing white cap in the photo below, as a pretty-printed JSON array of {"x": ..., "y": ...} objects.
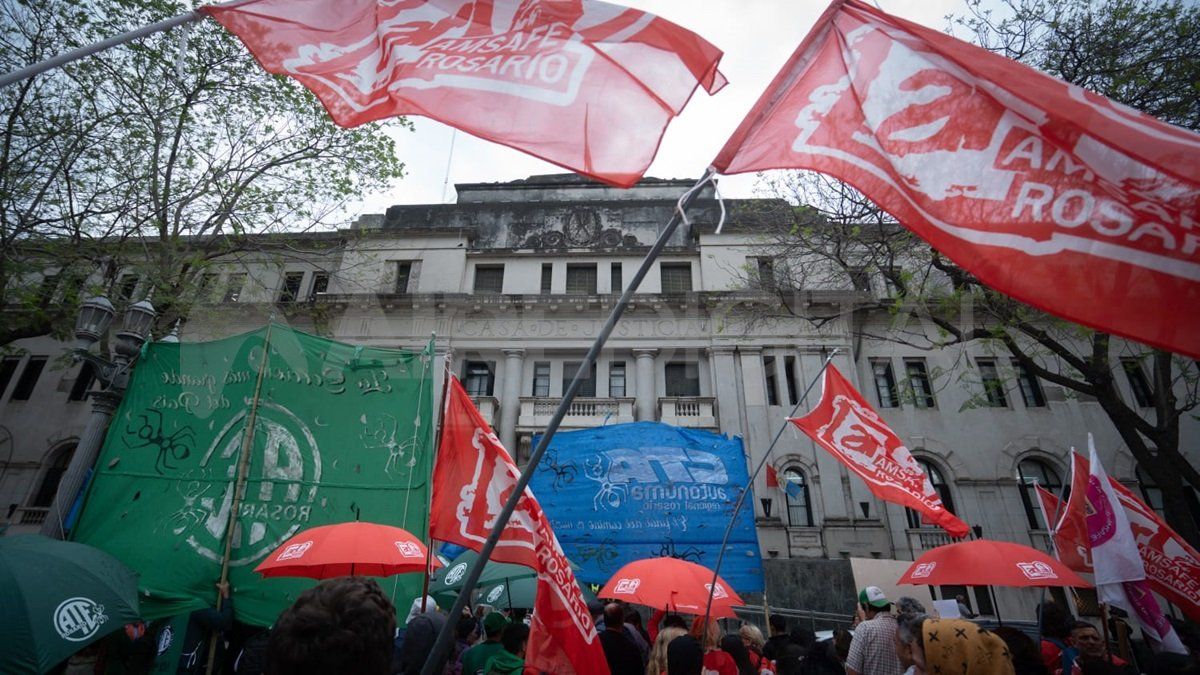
[{"x": 873, "y": 649}]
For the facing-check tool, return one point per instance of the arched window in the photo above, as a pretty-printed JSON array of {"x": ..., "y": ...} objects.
[
  {"x": 1032, "y": 472},
  {"x": 940, "y": 485},
  {"x": 795, "y": 485},
  {"x": 44, "y": 496},
  {"x": 1150, "y": 491}
]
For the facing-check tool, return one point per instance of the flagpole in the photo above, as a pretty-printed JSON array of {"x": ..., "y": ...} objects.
[
  {"x": 441, "y": 647},
  {"x": 239, "y": 486},
  {"x": 1052, "y": 528},
  {"x": 437, "y": 443},
  {"x": 761, "y": 463}
]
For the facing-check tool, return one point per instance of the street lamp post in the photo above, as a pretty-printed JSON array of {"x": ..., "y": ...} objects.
[{"x": 113, "y": 374}]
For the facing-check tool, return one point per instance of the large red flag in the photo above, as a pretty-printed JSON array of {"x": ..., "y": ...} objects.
[
  {"x": 1172, "y": 565},
  {"x": 845, "y": 424},
  {"x": 1070, "y": 532},
  {"x": 473, "y": 479},
  {"x": 584, "y": 84},
  {"x": 1047, "y": 192}
]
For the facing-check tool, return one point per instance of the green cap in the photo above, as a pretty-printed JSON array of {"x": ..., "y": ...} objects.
[
  {"x": 871, "y": 595},
  {"x": 494, "y": 623}
]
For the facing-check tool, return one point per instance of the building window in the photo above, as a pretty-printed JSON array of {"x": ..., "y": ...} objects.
[
  {"x": 233, "y": 289},
  {"x": 541, "y": 379},
  {"x": 676, "y": 277},
  {"x": 939, "y": 485},
  {"x": 616, "y": 284},
  {"x": 682, "y": 379},
  {"x": 44, "y": 496},
  {"x": 918, "y": 380},
  {"x": 616, "y": 379},
  {"x": 291, "y": 286},
  {"x": 860, "y": 279},
  {"x": 1031, "y": 472},
  {"x": 772, "y": 384},
  {"x": 489, "y": 278},
  {"x": 204, "y": 288},
  {"x": 479, "y": 377},
  {"x": 320, "y": 285},
  {"x": 993, "y": 388},
  {"x": 547, "y": 277},
  {"x": 29, "y": 378},
  {"x": 587, "y": 387},
  {"x": 1150, "y": 491},
  {"x": 83, "y": 382},
  {"x": 581, "y": 279},
  {"x": 885, "y": 383},
  {"x": 766, "y": 274},
  {"x": 795, "y": 487},
  {"x": 1031, "y": 389},
  {"x": 8, "y": 366},
  {"x": 126, "y": 287},
  {"x": 404, "y": 270},
  {"x": 789, "y": 378},
  {"x": 1138, "y": 383},
  {"x": 46, "y": 290}
]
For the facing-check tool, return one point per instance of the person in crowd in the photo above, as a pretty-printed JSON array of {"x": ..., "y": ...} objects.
[
  {"x": 944, "y": 646},
  {"x": 777, "y": 626},
  {"x": 634, "y": 620},
  {"x": 342, "y": 625},
  {"x": 822, "y": 659},
  {"x": 1168, "y": 663},
  {"x": 424, "y": 624},
  {"x": 873, "y": 649},
  {"x": 789, "y": 665},
  {"x": 964, "y": 608},
  {"x": 752, "y": 637},
  {"x": 634, "y": 631},
  {"x": 466, "y": 632},
  {"x": 1057, "y": 652},
  {"x": 1087, "y": 640},
  {"x": 907, "y": 605},
  {"x": 685, "y": 656},
  {"x": 252, "y": 659},
  {"x": 622, "y": 654},
  {"x": 1023, "y": 651},
  {"x": 200, "y": 626},
  {"x": 474, "y": 659},
  {"x": 733, "y": 646},
  {"x": 801, "y": 640},
  {"x": 658, "y": 653},
  {"x": 841, "y": 644},
  {"x": 708, "y": 634},
  {"x": 511, "y": 659}
]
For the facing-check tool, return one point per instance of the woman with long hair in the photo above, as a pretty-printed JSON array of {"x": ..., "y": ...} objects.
[
  {"x": 752, "y": 637},
  {"x": 708, "y": 634},
  {"x": 658, "y": 652}
]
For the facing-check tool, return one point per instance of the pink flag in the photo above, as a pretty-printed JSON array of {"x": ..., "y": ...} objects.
[
  {"x": 1047, "y": 192},
  {"x": 473, "y": 479},
  {"x": 584, "y": 84},
  {"x": 1119, "y": 573},
  {"x": 844, "y": 424}
]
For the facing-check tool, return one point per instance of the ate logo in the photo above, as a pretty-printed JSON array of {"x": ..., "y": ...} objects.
[
  {"x": 627, "y": 586},
  {"x": 77, "y": 619},
  {"x": 923, "y": 570},
  {"x": 1037, "y": 570},
  {"x": 456, "y": 573},
  {"x": 408, "y": 549},
  {"x": 495, "y": 594},
  {"x": 718, "y": 593},
  {"x": 294, "y": 551}
]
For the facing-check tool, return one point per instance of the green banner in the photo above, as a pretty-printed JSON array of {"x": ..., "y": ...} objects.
[{"x": 341, "y": 433}]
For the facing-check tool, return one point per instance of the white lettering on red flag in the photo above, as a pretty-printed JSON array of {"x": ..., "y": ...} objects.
[
  {"x": 472, "y": 480},
  {"x": 846, "y": 426},
  {"x": 584, "y": 84},
  {"x": 1046, "y": 192}
]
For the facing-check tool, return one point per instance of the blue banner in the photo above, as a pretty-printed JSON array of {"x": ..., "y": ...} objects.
[{"x": 624, "y": 492}]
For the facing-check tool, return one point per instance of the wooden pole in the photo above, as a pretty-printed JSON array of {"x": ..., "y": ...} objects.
[
  {"x": 239, "y": 487},
  {"x": 1104, "y": 626}
]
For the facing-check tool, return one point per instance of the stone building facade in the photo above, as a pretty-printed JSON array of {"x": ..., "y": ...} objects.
[{"x": 515, "y": 280}]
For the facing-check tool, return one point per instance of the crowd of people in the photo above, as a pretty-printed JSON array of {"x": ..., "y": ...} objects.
[{"x": 349, "y": 625}]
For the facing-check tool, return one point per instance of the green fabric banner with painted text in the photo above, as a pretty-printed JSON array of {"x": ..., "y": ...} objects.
[{"x": 341, "y": 433}]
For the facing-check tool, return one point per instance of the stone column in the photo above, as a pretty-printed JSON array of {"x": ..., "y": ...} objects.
[
  {"x": 510, "y": 401},
  {"x": 646, "y": 394},
  {"x": 781, "y": 380},
  {"x": 725, "y": 389}
]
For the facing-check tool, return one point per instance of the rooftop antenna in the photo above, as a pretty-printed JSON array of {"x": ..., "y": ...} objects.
[{"x": 449, "y": 161}]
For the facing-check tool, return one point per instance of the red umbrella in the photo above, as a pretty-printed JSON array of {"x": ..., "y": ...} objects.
[
  {"x": 983, "y": 562},
  {"x": 368, "y": 549},
  {"x": 671, "y": 583}
]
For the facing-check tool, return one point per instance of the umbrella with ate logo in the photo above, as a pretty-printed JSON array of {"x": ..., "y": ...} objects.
[
  {"x": 367, "y": 549},
  {"x": 671, "y": 583},
  {"x": 983, "y": 562}
]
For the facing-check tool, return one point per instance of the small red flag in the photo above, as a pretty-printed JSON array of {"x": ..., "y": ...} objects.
[
  {"x": 473, "y": 479},
  {"x": 583, "y": 84},
  {"x": 844, "y": 424},
  {"x": 1049, "y": 193},
  {"x": 772, "y": 477},
  {"x": 1069, "y": 533}
]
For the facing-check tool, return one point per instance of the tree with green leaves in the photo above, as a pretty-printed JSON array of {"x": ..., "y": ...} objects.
[
  {"x": 158, "y": 156},
  {"x": 1143, "y": 53}
]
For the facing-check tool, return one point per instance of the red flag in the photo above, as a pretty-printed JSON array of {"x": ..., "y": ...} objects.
[
  {"x": 1070, "y": 533},
  {"x": 1047, "y": 192},
  {"x": 584, "y": 84},
  {"x": 1172, "y": 565},
  {"x": 473, "y": 479},
  {"x": 772, "y": 477},
  {"x": 844, "y": 424}
]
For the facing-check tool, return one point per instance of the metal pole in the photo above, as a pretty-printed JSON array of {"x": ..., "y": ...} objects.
[
  {"x": 239, "y": 486},
  {"x": 96, "y": 47},
  {"x": 442, "y": 646},
  {"x": 437, "y": 441},
  {"x": 761, "y": 463},
  {"x": 104, "y": 404}
]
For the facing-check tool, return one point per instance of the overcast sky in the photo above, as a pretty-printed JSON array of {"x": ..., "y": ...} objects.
[{"x": 757, "y": 36}]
